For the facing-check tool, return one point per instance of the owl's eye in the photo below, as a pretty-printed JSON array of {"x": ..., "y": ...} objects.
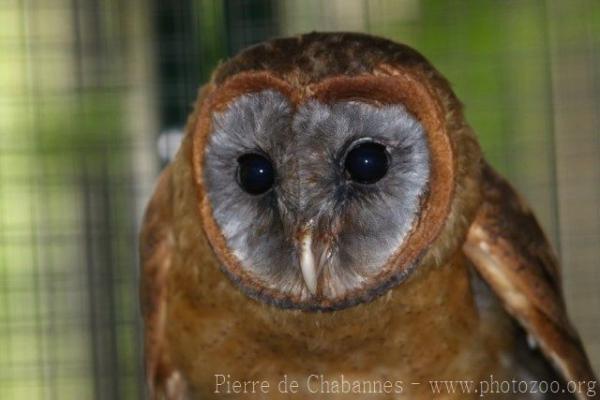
[
  {"x": 367, "y": 163},
  {"x": 255, "y": 173}
]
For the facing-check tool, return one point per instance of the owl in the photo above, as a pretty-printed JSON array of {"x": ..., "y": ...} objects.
[{"x": 329, "y": 229}]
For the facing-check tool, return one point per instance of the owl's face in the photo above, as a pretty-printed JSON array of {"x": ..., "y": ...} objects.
[{"x": 318, "y": 196}]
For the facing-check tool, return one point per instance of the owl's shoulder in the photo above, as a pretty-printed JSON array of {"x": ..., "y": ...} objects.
[{"x": 513, "y": 255}]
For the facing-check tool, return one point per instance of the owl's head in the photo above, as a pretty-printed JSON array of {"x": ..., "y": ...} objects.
[{"x": 327, "y": 167}]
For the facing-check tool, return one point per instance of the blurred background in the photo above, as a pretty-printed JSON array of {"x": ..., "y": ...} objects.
[{"x": 93, "y": 98}]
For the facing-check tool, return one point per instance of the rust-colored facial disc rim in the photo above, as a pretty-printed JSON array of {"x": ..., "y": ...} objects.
[{"x": 389, "y": 86}]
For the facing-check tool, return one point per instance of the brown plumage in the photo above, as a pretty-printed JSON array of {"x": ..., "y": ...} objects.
[{"x": 441, "y": 307}]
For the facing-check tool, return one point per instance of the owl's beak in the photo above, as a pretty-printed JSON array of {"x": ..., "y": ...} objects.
[
  {"x": 312, "y": 254},
  {"x": 307, "y": 262}
]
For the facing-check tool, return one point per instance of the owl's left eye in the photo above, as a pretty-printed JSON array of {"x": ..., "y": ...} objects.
[
  {"x": 255, "y": 173},
  {"x": 367, "y": 162}
]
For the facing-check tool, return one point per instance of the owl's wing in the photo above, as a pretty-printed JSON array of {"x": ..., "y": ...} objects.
[
  {"x": 156, "y": 242},
  {"x": 511, "y": 253}
]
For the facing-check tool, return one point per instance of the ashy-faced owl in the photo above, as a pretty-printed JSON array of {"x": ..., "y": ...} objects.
[{"x": 329, "y": 221}]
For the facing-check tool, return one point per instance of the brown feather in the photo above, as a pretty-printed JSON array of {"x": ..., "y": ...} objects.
[
  {"x": 198, "y": 323},
  {"x": 156, "y": 246},
  {"x": 511, "y": 252}
]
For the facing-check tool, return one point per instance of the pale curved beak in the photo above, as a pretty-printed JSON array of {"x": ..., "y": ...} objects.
[{"x": 307, "y": 262}]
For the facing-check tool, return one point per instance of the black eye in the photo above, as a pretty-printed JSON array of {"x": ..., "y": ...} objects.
[
  {"x": 367, "y": 163},
  {"x": 255, "y": 173}
]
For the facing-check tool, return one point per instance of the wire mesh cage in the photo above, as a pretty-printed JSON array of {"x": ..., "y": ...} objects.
[{"x": 93, "y": 100}]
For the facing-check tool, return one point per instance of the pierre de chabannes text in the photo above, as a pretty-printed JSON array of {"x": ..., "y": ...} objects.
[{"x": 340, "y": 384}]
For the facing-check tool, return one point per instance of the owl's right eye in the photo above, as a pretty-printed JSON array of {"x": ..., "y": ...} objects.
[{"x": 255, "y": 173}]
